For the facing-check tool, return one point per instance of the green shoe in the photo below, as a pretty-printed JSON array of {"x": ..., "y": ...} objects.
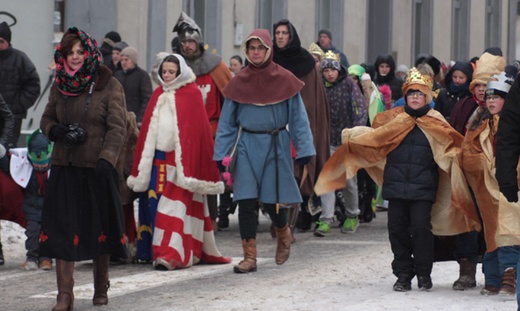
[
  {"x": 350, "y": 225},
  {"x": 323, "y": 229}
]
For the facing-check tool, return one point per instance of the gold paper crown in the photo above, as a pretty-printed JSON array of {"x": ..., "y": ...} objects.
[
  {"x": 414, "y": 76},
  {"x": 315, "y": 49},
  {"x": 331, "y": 55}
]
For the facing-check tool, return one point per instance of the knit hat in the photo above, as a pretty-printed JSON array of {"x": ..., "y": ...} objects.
[
  {"x": 120, "y": 46},
  {"x": 131, "y": 53},
  {"x": 356, "y": 70},
  {"x": 112, "y": 38},
  {"x": 499, "y": 84},
  {"x": 486, "y": 66},
  {"x": 330, "y": 60},
  {"x": 39, "y": 148},
  {"x": 326, "y": 32},
  {"x": 401, "y": 68},
  {"x": 5, "y": 32},
  {"x": 430, "y": 60},
  {"x": 494, "y": 50},
  {"x": 417, "y": 81}
]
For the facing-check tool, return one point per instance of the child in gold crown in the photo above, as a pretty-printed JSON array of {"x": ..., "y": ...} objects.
[{"x": 413, "y": 153}]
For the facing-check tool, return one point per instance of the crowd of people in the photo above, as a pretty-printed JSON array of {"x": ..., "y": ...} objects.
[{"x": 298, "y": 133}]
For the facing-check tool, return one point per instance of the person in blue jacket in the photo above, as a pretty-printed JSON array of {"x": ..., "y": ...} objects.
[{"x": 263, "y": 114}]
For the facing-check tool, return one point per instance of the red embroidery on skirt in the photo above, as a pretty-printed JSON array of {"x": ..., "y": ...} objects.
[
  {"x": 43, "y": 237},
  {"x": 102, "y": 238},
  {"x": 124, "y": 239},
  {"x": 76, "y": 240}
]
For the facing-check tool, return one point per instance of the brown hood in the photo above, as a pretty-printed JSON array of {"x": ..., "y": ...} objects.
[{"x": 250, "y": 85}]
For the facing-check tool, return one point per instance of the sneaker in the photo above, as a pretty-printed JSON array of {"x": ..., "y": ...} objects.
[
  {"x": 46, "y": 265},
  {"x": 489, "y": 290},
  {"x": 424, "y": 282},
  {"x": 350, "y": 225},
  {"x": 29, "y": 265},
  {"x": 403, "y": 284},
  {"x": 323, "y": 229}
]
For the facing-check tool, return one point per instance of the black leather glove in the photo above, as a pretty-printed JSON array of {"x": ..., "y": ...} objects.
[
  {"x": 103, "y": 168},
  {"x": 57, "y": 132},
  {"x": 304, "y": 160},
  {"x": 220, "y": 166},
  {"x": 511, "y": 193}
]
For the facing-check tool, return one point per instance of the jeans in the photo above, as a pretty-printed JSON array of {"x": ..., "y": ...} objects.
[{"x": 350, "y": 193}]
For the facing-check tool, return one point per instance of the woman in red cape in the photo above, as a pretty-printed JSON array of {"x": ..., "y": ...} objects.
[{"x": 173, "y": 164}]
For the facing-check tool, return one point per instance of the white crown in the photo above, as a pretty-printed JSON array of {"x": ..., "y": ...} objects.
[{"x": 500, "y": 82}]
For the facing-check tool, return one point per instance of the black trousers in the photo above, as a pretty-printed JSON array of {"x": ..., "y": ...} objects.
[
  {"x": 411, "y": 237},
  {"x": 248, "y": 217}
]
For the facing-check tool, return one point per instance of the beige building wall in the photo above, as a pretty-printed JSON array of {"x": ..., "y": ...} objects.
[
  {"x": 477, "y": 28},
  {"x": 173, "y": 11},
  {"x": 131, "y": 25},
  {"x": 441, "y": 47},
  {"x": 402, "y": 32},
  {"x": 238, "y": 18},
  {"x": 355, "y": 31},
  {"x": 504, "y": 22},
  {"x": 302, "y": 15}
]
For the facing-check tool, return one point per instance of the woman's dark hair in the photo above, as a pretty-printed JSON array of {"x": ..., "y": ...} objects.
[
  {"x": 238, "y": 58},
  {"x": 67, "y": 42},
  {"x": 170, "y": 59}
]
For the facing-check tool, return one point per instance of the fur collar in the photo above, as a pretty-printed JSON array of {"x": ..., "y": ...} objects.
[{"x": 163, "y": 134}]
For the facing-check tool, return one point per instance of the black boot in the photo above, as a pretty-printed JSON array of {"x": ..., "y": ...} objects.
[
  {"x": 2, "y": 261},
  {"x": 224, "y": 210},
  {"x": 424, "y": 282},
  {"x": 403, "y": 283},
  {"x": 467, "y": 271}
]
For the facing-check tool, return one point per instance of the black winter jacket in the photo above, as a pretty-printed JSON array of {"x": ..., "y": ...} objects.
[
  {"x": 19, "y": 81},
  {"x": 411, "y": 172},
  {"x": 6, "y": 122},
  {"x": 138, "y": 89},
  {"x": 508, "y": 141}
]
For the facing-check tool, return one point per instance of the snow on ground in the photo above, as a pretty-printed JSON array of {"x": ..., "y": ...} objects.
[{"x": 367, "y": 287}]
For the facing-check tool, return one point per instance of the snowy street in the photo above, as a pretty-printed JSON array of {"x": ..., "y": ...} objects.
[{"x": 338, "y": 272}]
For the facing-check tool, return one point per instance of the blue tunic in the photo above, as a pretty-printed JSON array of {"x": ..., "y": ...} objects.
[{"x": 255, "y": 172}]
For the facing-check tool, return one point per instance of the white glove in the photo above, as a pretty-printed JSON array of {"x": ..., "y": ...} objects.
[{"x": 2, "y": 151}]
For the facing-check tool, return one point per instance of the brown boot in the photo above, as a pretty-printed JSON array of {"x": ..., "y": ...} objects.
[
  {"x": 65, "y": 280},
  {"x": 292, "y": 218},
  {"x": 283, "y": 249},
  {"x": 508, "y": 282},
  {"x": 249, "y": 262},
  {"x": 467, "y": 275},
  {"x": 101, "y": 282}
]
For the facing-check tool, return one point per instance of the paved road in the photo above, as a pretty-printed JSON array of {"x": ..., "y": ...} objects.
[{"x": 339, "y": 272}]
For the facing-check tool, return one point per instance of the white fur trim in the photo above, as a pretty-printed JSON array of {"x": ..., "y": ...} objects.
[{"x": 163, "y": 134}]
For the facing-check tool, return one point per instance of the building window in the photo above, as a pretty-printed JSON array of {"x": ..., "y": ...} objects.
[
  {"x": 422, "y": 28},
  {"x": 270, "y": 12},
  {"x": 460, "y": 29},
  {"x": 329, "y": 15},
  {"x": 493, "y": 29}
]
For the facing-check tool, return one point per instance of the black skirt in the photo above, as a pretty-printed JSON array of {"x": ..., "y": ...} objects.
[{"x": 82, "y": 216}]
